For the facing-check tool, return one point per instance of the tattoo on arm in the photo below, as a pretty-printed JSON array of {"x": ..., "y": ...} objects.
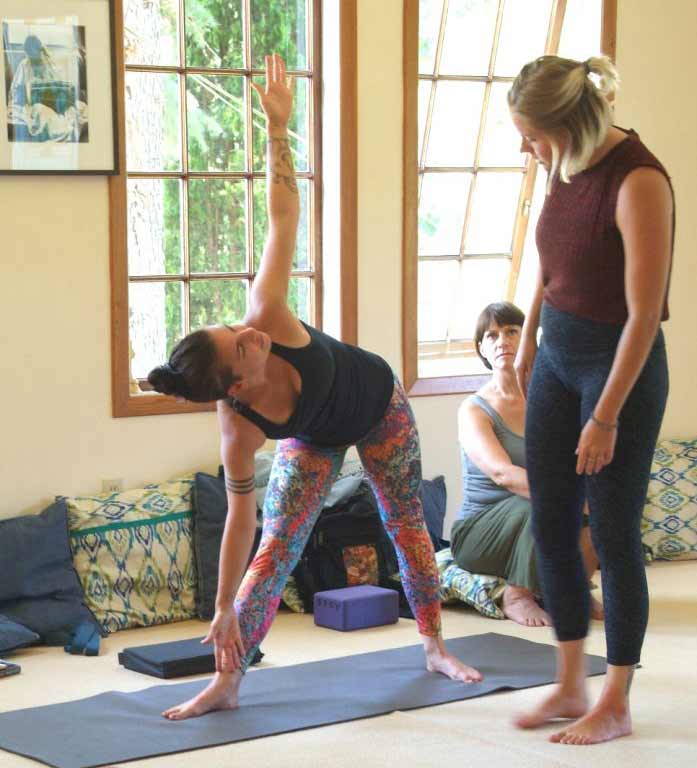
[
  {"x": 280, "y": 160},
  {"x": 239, "y": 487}
]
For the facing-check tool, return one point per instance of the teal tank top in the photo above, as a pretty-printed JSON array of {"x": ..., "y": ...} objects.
[{"x": 479, "y": 491}]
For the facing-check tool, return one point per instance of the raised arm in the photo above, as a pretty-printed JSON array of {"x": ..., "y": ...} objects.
[
  {"x": 270, "y": 288},
  {"x": 479, "y": 441}
]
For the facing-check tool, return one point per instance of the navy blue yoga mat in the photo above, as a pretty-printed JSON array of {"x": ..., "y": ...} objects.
[{"x": 114, "y": 727}]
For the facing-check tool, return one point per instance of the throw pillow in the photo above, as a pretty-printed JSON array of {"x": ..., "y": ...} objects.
[
  {"x": 434, "y": 498},
  {"x": 291, "y": 596},
  {"x": 481, "y": 592},
  {"x": 210, "y": 511},
  {"x": 669, "y": 522},
  {"x": 40, "y": 590},
  {"x": 133, "y": 553},
  {"x": 13, "y": 635}
]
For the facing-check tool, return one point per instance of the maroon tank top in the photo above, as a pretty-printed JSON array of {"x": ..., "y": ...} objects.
[{"x": 580, "y": 246}]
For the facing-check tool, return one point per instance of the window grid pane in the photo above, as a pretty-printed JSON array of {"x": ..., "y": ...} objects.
[
  {"x": 442, "y": 206},
  {"x": 472, "y": 139},
  {"x": 200, "y": 179},
  {"x": 523, "y": 35},
  {"x": 489, "y": 260},
  {"x": 469, "y": 36},
  {"x": 579, "y": 35},
  {"x": 455, "y": 124}
]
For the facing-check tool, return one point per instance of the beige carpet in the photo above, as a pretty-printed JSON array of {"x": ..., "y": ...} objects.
[{"x": 472, "y": 734}]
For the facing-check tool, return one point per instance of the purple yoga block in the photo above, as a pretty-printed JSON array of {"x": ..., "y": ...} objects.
[{"x": 356, "y": 607}]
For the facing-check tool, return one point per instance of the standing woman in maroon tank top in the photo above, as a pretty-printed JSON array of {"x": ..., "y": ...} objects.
[
  {"x": 597, "y": 385},
  {"x": 275, "y": 377}
]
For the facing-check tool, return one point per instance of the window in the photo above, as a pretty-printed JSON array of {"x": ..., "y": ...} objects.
[
  {"x": 188, "y": 213},
  {"x": 471, "y": 199}
]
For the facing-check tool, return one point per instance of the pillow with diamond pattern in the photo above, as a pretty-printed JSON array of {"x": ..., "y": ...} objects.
[
  {"x": 669, "y": 521},
  {"x": 133, "y": 554}
]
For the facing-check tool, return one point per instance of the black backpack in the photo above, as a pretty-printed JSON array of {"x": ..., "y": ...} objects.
[{"x": 348, "y": 546}]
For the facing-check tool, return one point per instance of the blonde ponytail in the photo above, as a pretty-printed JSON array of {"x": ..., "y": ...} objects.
[{"x": 561, "y": 96}]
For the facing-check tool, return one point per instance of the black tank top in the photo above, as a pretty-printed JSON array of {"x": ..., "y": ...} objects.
[{"x": 344, "y": 393}]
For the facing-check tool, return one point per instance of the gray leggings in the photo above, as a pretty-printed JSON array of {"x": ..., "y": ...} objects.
[{"x": 570, "y": 371}]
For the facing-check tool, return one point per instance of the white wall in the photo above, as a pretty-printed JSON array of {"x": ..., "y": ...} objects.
[
  {"x": 55, "y": 419},
  {"x": 57, "y": 432},
  {"x": 658, "y": 98}
]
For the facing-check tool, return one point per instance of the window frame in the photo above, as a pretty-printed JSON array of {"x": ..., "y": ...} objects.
[
  {"x": 126, "y": 402},
  {"x": 348, "y": 129},
  {"x": 463, "y": 384}
]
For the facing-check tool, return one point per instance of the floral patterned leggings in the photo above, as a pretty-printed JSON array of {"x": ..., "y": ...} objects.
[{"x": 301, "y": 477}]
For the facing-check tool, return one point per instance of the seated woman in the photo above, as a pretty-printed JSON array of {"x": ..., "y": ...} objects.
[{"x": 493, "y": 534}]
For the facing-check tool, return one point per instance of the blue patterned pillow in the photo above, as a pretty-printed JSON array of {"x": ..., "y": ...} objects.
[{"x": 669, "y": 522}]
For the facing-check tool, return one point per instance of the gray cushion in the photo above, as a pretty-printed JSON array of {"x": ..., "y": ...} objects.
[
  {"x": 209, "y": 503},
  {"x": 39, "y": 588},
  {"x": 13, "y": 635},
  {"x": 434, "y": 500}
]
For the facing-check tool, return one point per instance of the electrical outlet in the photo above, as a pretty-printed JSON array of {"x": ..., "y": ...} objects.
[{"x": 112, "y": 485}]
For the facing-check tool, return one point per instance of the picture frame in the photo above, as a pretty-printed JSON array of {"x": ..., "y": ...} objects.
[{"x": 58, "y": 110}]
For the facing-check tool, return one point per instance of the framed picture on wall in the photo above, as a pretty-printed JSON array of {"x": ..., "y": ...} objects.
[{"x": 57, "y": 87}]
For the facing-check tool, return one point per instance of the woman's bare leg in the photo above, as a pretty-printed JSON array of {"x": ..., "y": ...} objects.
[
  {"x": 392, "y": 461},
  {"x": 301, "y": 478},
  {"x": 609, "y": 718},
  {"x": 569, "y": 698},
  {"x": 519, "y": 605},
  {"x": 221, "y": 693}
]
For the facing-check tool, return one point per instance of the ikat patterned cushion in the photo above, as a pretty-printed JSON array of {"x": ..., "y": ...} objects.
[
  {"x": 481, "y": 592},
  {"x": 133, "y": 554},
  {"x": 291, "y": 596},
  {"x": 669, "y": 522}
]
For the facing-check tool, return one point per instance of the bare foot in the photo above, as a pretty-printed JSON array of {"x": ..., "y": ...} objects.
[
  {"x": 556, "y": 705},
  {"x": 597, "y": 610},
  {"x": 520, "y": 606},
  {"x": 221, "y": 693},
  {"x": 602, "y": 723},
  {"x": 452, "y": 667}
]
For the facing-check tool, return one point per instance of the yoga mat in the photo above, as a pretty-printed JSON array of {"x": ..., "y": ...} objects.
[{"x": 114, "y": 727}]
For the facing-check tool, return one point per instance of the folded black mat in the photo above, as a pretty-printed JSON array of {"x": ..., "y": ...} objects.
[
  {"x": 115, "y": 727},
  {"x": 174, "y": 659}
]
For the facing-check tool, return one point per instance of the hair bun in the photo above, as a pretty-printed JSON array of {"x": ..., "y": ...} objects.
[{"x": 165, "y": 379}]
